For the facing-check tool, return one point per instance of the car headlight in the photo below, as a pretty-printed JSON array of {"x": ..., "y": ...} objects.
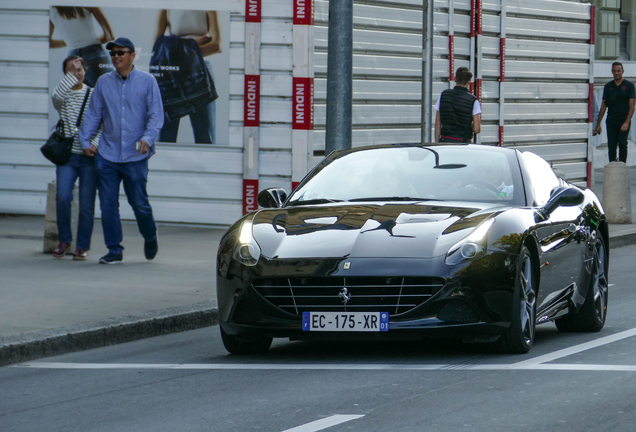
[
  {"x": 472, "y": 247},
  {"x": 247, "y": 251}
]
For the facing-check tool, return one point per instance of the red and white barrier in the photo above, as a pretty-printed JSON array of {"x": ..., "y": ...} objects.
[
  {"x": 451, "y": 41},
  {"x": 478, "y": 75},
  {"x": 252, "y": 102},
  {"x": 473, "y": 47},
  {"x": 502, "y": 73},
  {"x": 590, "y": 106},
  {"x": 303, "y": 88}
]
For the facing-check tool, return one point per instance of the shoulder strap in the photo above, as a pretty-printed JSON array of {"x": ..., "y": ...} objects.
[{"x": 79, "y": 117}]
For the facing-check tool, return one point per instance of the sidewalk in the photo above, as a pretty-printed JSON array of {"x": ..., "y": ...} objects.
[
  {"x": 50, "y": 306},
  {"x": 623, "y": 234}
]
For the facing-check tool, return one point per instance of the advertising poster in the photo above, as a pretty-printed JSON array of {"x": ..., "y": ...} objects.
[{"x": 186, "y": 50}]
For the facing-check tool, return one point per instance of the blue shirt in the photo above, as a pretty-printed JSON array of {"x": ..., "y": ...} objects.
[{"x": 131, "y": 109}]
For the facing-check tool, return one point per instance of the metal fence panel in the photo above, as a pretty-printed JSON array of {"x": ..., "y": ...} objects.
[{"x": 387, "y": 72}]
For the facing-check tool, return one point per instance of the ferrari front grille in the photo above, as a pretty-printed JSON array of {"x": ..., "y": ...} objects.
[{"x": 394, "y": 295}]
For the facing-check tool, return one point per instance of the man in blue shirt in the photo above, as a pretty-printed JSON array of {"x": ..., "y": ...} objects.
[{"x": 128, "y": 101}]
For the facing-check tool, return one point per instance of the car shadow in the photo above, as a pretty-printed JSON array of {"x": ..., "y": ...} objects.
[{"x": 433, "y": 351}]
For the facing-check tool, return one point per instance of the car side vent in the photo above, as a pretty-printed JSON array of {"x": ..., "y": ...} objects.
[{"x": 394, "y": 295}]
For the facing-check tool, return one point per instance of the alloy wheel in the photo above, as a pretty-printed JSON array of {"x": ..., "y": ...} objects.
[
  {"x": 528, "y": 300},
  {"x": 600, "y": 284}
]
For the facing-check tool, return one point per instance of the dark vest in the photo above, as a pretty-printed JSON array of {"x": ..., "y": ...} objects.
[{"x": 456, "y": 113}]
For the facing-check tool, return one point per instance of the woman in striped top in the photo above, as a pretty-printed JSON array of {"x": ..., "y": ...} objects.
[{"x": 68, "y": 97}]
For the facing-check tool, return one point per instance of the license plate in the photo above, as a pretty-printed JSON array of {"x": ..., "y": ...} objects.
[{"x": 346, "y": 321}]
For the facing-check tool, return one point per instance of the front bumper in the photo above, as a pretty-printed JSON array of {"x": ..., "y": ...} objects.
[{"x": 475, "y": 299}]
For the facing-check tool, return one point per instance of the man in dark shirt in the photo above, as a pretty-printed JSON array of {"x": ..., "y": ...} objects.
[
  {"x": 458, "y": 112},
  {"x": 618, "y": 97}
]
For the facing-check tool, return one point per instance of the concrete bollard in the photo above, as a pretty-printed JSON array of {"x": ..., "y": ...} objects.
[
  {"x": 617, "y": 196},
  {"x": 50, "y": 220}
]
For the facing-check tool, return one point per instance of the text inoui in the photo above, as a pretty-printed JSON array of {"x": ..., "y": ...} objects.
[
  {"x": 253, "y": 7},
  {"x": 251, "y": 100},
  {"x": 300, "y": 103},
  {"x": 249, "y": 197},
  {"x": 300, "y": 9}
]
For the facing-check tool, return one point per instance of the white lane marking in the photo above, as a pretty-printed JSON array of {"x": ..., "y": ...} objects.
[
  {"x": 578, "y": 348},
  {"x": 535, "y": 363},
  {"x": 240, "y": 366},
  {"x": 584, "y": 367},
  {"x": 332, "y": 367},
  {"x": 324, "y": 423}
]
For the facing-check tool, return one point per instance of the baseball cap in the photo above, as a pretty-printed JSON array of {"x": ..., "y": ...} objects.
[{"x": 122, "y": 42}]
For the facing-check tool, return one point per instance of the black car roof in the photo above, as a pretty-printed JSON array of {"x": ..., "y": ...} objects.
[{"x": 478, "y": 147}]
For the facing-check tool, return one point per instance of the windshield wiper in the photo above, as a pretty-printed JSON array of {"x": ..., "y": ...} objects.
[
  {"x": 315, "y": 201},
  {"x": 394, "y": 198}
]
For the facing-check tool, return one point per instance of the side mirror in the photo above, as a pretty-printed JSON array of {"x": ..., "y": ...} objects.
[
  {"x": 271, "y": 198},
  {"x": 563, "y": 196}
]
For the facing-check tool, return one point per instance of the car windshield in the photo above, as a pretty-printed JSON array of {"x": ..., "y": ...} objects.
[{"x": 400, "y": 173}]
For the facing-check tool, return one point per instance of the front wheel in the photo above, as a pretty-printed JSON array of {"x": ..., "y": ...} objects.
[
  {"x": 520, "y": 335},
  {"x": 245, "y": 345},
  {"x": 591, "y": 316}
]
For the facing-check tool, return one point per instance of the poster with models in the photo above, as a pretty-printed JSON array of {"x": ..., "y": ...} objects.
[{"x": 188, "y": 51}]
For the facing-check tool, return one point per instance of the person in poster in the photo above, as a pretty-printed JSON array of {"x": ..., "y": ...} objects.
[
  {"x": 206, "y": 49},
  {"x": 185, "y": 78},
  {"x": 75, "y": 28}
]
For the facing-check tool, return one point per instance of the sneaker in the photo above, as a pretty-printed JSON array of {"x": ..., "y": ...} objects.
[
  {"x": 151, "y": 248},
  {"x": 112, "y": 258},
  {"x": 61, "y": 249},
  {"x": 80, "y": 254}
]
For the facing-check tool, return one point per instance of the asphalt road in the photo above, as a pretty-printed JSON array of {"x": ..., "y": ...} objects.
[{"x": 187, "y": 382}]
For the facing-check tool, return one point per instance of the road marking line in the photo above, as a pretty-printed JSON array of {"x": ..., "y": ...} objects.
[
  {"x": 578, "y": 348},
  {"x": 536, "y": 363},
  {"x": 334, "y": 367},
  {"x": 324, "y": 423}
]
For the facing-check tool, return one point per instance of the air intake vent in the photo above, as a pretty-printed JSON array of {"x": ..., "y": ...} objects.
[{"x": 394, "y": 295}]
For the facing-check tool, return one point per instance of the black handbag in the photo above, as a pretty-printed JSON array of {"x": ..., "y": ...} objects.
[{"x": 58, "y": 147}]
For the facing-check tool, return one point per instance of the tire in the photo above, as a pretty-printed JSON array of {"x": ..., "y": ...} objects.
[
  {"x": 591, "y": 317},
  {"x": 520, "y": 335},
  {"x": 243, "y": 345}
]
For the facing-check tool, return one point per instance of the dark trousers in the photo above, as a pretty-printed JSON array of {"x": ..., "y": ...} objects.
[
  {"x": 203, "y": 127},
  {"x": 616, "y": 138},
  {"x": 135, "y": 177}
]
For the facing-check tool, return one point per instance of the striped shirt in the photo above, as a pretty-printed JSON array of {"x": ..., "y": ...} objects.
[{"x": 68, "y": 103}]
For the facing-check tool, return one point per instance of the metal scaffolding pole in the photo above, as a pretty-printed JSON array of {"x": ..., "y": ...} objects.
[{"x": 339, "y": 75}]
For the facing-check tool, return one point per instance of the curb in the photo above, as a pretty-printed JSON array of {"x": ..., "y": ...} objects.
[
  {"x": 36, "y": 345},
  {"x": 626, "y": 239}
]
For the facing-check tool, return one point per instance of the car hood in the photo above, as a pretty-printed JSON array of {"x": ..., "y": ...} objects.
[{"x": 400, "y": 230}]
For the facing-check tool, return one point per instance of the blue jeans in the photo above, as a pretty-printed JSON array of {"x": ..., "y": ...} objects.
[
  {"x": 97, "y": 62},
  {"x": 83, "y": 167},
  {"x": 203, "y": 126},
  {"x": 135, "y": 178}
]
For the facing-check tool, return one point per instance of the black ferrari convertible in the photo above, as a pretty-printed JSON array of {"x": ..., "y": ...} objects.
[{"x": 416, "y": 241}]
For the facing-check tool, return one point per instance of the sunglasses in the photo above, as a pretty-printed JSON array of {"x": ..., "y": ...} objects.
[{"x": 120, "y": 53}]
